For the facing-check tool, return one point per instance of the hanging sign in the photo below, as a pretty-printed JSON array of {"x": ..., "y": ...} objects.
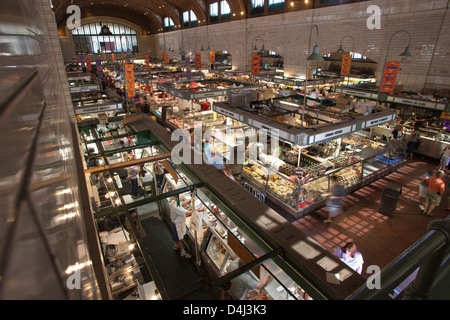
[
  {"x": 198, "y": 60},
  {"x": 389, "y": 76},
  {"x": 163, "y": 55},
  {"x": 147, "y": 61},
  {"x": 78, "y": 58},
  {"x": 188, "y": 68},
  {"x": 83, "y": 60},
  {"x": 167, "y": 58},
  {"x": 260, "y": 54},
  {"x": 100, "y": 73},
  {"x": 104, "y": 56},
  {"x": 212, "y": 56},
  {"x": 88, "y": 64},
  {"x": 255, "y": 64},
  {"x": 129, "y": 78},
  {"x": 113, "y": 57},
  {"x": 346, "y": 61}
]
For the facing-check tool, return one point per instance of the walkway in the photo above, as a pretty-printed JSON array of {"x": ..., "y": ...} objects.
[{"x": 379, "y": 238}]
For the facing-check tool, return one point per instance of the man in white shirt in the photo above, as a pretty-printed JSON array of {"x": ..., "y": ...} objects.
[{"x": 178, "y": 216}]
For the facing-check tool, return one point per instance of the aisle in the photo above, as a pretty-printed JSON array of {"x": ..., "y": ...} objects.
[
  {"x": 179, "y": 275},
  {"x": 379, "y": 238}
]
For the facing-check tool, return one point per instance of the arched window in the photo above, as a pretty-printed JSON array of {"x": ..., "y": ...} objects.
[{"x": 105, "y": 37}]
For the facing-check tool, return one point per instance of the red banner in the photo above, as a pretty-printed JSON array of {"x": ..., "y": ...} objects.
[
  {"x": 212, "y": 56},
  {"x": 346, "y": 61},
  {"x": 163, "y": 55},
  {"x": 78, "y": 58},
  {"x": 198, "y": 60},
  {"x": 104, "y": 57},
  {"x": 389, "y": 76},
  {"x": 113, "y": 57},
  {"x": 129, "y": 79},
  {"x": 147, "y": 61},
  {"x": 88, "y": 64},
  {"x": 255, "y": 64},
  {"x": 167, "y": 58}
]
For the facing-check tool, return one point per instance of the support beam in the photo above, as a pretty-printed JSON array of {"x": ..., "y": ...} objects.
[{"x": 122, "y": 165}]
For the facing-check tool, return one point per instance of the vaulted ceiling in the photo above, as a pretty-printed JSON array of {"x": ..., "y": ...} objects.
[{"x": 148, "y": 14}]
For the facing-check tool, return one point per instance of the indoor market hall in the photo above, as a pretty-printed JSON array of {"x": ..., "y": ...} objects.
[{"x": 250, "y": 151}]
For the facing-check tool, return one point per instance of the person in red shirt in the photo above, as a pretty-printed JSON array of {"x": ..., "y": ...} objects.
[{"x": 436, "y": 188}]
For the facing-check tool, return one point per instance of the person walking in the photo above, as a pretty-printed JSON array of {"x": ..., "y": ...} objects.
[
  {"x": 412, "y": 142},
  {"x": 436, "y": 188},
  {"x": 445, "y": 159},
  {"x": 334, "y": 203},
  {"x": 423, "y": 190},
  {"x": 350, "y": 255}
]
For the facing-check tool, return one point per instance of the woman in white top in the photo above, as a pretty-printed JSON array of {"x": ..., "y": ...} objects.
[{"x": 351, "y": 256}]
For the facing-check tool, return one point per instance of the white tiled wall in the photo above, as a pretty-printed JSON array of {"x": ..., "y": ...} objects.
[
  {"x": 427, "y": 21},
  {"x": 41, "y": 240}
]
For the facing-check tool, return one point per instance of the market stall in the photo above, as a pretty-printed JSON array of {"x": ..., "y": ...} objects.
[
  {"x": 187, "y": 102},
  {"x": 90, "y": 104},
  {"x": 217, "y": 241},
  {"x": 80, "y": 82},
  {"x": 298, "y": 177}
]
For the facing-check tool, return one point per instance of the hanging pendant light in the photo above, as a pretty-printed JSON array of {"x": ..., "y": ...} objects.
[
  {"x": 406, "y": 53},
  {"x": 315, "y": 56}
]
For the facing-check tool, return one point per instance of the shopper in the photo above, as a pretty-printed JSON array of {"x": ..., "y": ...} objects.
[
  {"x": 350, "y": 255},
  {"x": 436, "y": 188},
  {"x": 445, "y": 159},
  {"x": 178, "y": 216},
  {"x": 158, "y": 169},
  {"x": 398, "y": 129},
  {"x": 245, "y": 282},
  {"x": 423, "y": 190},
  {"x": 412, "y": 142},
  {"x": 211, "y": 156},
  {"x": 132, "y": 176},
  {"x": 334, "y": 205}
]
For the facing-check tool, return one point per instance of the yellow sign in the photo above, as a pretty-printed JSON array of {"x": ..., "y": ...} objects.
[{"x": 212, "y": 56}]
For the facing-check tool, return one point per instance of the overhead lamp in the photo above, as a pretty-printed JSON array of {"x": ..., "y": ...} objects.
[
  {"x": 407, "y": 52},
  {"x": 315, "y": 56},
  {"x": 341, "y": 50}
]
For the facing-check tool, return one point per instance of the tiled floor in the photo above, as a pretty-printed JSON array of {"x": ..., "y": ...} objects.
[{"x": 378, "y": 237}]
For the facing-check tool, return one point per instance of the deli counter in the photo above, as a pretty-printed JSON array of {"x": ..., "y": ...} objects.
[
  {"x": 301, "y": 189},
  {"x": 216, "y": 241}
]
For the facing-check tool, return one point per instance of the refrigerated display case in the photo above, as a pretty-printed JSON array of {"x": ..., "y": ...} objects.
[{"x": 300, "y": 190}]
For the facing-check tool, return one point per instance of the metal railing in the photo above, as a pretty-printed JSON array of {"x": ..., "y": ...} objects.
[{"x": 427, "y": 254}]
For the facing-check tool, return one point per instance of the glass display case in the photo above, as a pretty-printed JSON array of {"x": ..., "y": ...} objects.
[
  {"x": 220, "y": 241},
  {"x": 299, "y": 190}
]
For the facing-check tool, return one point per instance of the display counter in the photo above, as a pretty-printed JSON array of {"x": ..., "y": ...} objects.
[
  {"x": 301, "y": 189},
  {"x": 433, "y": 141},
  {"x": 219, "y": 241}
]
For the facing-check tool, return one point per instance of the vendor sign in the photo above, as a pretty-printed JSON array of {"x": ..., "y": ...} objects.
[
  {"x": 255, "y": 64},
  {"x": 88, "y": 64},
  {"x": 198, "y": 60},
  {"x": 346, "y": 61},
  {"x": 212, "y": 56},
  {"x": 167, "y": 57},
  {"x": 389, "y": 76},
  {"x": 147, "y": 61},
  {"x": 129, "y": 78}
]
